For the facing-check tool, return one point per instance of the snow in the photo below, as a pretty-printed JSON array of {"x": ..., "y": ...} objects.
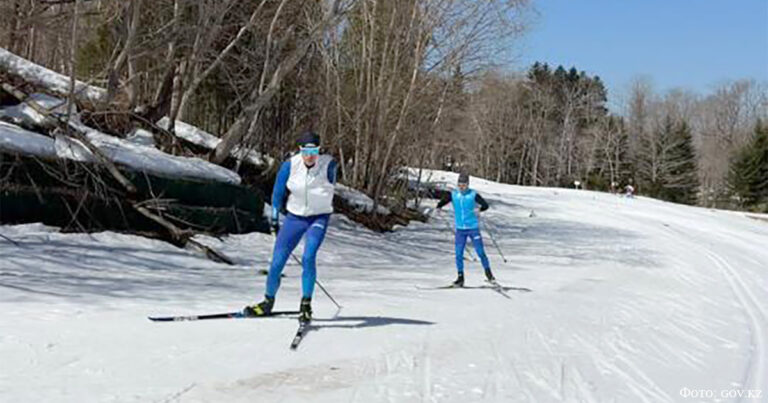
[
  {"x": 149, "y": 159},
  {"x": 23, "y": 113},
  {"x": 204, "y": 139},
  {"x": 358, "y": 200},
  {"x": 39, "y": 75},
  {"x": 632, "y": 300},
  {"x": 141, "y": 137},
  {"x": 14, "y": 139},
  {"x": 137, "y": 156}
]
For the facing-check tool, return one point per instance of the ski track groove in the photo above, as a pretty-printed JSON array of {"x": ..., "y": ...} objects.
[
  {"x": 755, "y": 371},
  {"x": 631, "y": 379},
  {"x": 757, "y": 368}
]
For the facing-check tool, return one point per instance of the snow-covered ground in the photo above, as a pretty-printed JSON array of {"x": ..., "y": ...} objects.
[{"x": 631, "y": 300}]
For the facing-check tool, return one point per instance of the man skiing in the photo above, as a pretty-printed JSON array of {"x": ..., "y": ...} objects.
[
  {"x": 307, "y": 181},
  {"x": 464, "y": 202}
]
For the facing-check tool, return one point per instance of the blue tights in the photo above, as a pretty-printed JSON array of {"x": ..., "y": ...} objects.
[
  {"x": 477, "y": 241},
  {"x": 294, "y": 227}
]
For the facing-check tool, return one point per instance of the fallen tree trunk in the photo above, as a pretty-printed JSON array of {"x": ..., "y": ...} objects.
[
  {"x": 52, "y": 81},
  {"x": 78, "y": 196}
]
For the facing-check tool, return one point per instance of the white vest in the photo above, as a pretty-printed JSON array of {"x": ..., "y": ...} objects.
[{"x": 310, "y": 191}]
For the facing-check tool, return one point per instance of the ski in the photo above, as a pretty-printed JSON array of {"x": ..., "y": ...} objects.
[
  {"x": 224, "y": 315},
  {"x": 440, "y": 287},
  {"x": 504, "y": 288},
  {"x": 495, "y": 286},
  {"x": 300, "y": 333},
  {"x": 477, "y": 287}
]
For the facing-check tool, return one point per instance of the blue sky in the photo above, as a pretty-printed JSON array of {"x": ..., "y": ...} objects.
[{"x": 694, "y": 44}]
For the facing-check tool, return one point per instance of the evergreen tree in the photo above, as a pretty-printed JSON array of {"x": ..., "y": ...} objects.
[
  {"x": 667, "y": 166},
  {"x": 681, "y": 182},
  {"x": 748, "y": 175}
]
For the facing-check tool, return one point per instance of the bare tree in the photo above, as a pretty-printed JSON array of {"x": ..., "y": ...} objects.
[{"x": 261, "y": 96}]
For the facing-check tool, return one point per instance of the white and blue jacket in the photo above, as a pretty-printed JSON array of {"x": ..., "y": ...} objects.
[
  {"x": 309, "y": 190},
  {"x": 464, "y": 207}
]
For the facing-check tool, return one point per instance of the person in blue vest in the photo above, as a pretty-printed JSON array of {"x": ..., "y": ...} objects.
[
  {"x": 305, "y": 186},
  {"x": 465, "y": 201}
]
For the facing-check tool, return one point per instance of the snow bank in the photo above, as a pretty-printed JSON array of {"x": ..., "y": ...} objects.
[
  {"x": 39, "y": 75},
  {"x": 207, "y": 140}
]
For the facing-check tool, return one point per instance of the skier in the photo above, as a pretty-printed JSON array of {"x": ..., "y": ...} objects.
[
  {"x": 629, "y": 191},
  {"x": 464, "y": 202},
  {"x": 307, "y": 181}
]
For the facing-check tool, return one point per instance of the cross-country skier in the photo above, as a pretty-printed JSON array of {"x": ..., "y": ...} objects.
[
  {"x": 307, "y": 181},
  {"x": 464, "y": 202}
]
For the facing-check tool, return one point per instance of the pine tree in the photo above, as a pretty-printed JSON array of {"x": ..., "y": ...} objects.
[
  {"x": 681, "y": 181},
  {"x": 667, "y": 166},
  {"x": 748, "y": 175}
]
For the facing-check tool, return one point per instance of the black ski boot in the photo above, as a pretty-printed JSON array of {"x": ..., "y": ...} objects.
[
  {"x": 305, "y": 310},
  {"x": 459, "y": 281},
  {"x": 489, "y": 276},
  {"x": 263, "y": 308}
]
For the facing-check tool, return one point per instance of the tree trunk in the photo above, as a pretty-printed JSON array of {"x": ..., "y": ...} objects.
[
  {"x": 197, "y": 80},
  {"x": 238, "y": 129},
  {"x": 132, "y": 13},
  {"x": 72, "y": 61}
]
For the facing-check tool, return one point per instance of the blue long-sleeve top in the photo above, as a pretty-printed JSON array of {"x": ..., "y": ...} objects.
[
  {"x": 280, "y": 190},
  {"x": 464, "y": 207}
]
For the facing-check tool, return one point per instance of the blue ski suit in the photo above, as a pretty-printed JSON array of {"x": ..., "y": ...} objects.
[
  {"x": 307, "y": 193},
  {"x": 467, "y": 224}
]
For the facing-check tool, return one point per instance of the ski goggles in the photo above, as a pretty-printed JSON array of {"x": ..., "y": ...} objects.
[{"x": 307, "y": 151}]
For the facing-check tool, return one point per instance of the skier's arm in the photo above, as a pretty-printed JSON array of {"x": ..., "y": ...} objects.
[
  {"x": 332, "y": 171},
  {"x": 444, "y": 199},
  {"x": 279, "y": 190},
  {"x": 479, "y": 200}
]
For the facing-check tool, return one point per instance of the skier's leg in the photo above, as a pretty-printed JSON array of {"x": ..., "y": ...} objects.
[
  {"x": 477, "y": 242},
  {"x": 314, "y": 238},
  {"x": 461, "y": 242},
  {"x": 287, "y": 239}
]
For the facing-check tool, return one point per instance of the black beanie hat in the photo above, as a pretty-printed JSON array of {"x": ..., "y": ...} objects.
[
  {"x": 464, "y": 178},
  {"x": 307, "y": 138}
]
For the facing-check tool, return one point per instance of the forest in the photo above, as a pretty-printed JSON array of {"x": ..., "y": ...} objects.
[{"x": 388, "y": 85}]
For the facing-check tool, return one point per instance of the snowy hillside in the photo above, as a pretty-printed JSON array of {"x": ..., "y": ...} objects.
[{"x": 630, "y": 300}]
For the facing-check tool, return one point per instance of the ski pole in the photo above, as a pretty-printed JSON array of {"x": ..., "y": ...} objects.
[
  {"x": 488, "y": 230},
  {"x": 317, "y": 282}
]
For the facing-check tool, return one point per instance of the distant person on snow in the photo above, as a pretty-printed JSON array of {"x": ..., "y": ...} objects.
[
  {"x": 464, "y": 202},
  {"x": 629, "y": 191},
  {"x": 307, "y": 181}
]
